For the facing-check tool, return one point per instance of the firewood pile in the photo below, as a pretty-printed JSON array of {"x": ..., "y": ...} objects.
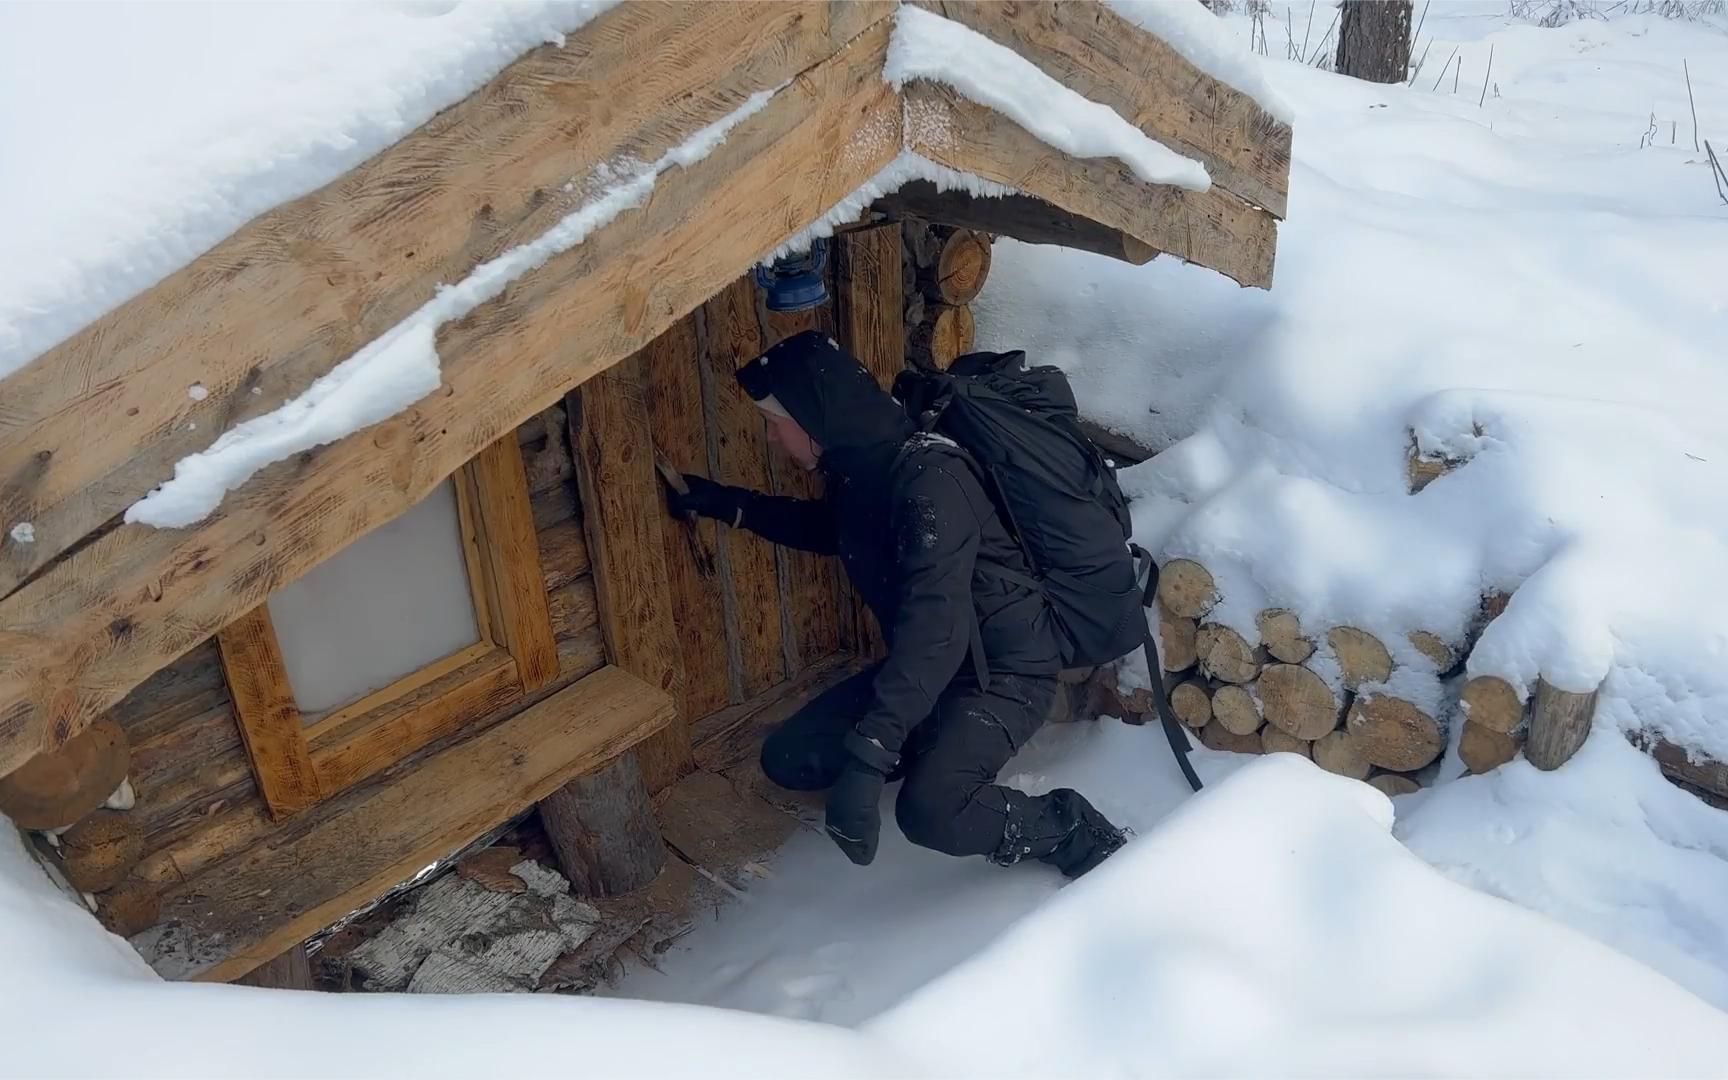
[
  {"x": 1355, "y": 704},
  {"x": 943, "y": 270}
]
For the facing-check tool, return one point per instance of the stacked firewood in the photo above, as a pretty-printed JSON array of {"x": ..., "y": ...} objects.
[{"x": 943, "y": 269}]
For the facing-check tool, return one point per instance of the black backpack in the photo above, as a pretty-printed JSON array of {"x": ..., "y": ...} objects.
[{"x": 1055, "y": 490}]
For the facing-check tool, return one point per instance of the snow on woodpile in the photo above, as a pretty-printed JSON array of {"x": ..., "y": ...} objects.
[
  {"x": 1478, "y": 417},
  {"x": 171, "y": 125}
]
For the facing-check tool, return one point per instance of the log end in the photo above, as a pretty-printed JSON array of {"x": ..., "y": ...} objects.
[
  {"x": 1186, "y": 588},
  {"x": 1393, "y": 733},
  {"x": 1298, "y": 701},
  {"x": 56, "y": 789}
]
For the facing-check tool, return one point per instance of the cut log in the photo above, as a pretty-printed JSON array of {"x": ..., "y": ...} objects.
[
  {"x": 129, "y": 908},
  {"x": 54, "y": 790},
  {"x": 1393, "y": 733},
  {"x": 1226, "y": 655},
  {"x": 1337, "y": 752},
  {"x": 290, "y": 971},
  {"x": 1186, "y": 589},
  {"x": 1177, "y": 636},
  {"x": 1559, "y": 724},
  {"x": 603, "y": 829},
  {"x": 946, "y": 334},
  {"x": 1281, "y": 633},
  {"x": 1298, "y": 701},
  {"x": 962, "y": 262},
  {"x": 1192, "y": 703},
  {"x": 1483, "y": 749},
  {"x": 1491, "y": 702},
  {"x": 1394, "y": 784},
  {"x": 1361, "y": 655},
  {"x": 1434, "y": 647},
  {"x": 1275, "y": 740},
  {"x": 100, "y": 849},
  {"x": 1214, "y": 736},
  {"x": 1236, "y": 708}
]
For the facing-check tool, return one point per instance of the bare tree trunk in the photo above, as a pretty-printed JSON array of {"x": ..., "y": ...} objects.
[{"x": 1374, "y": 39}]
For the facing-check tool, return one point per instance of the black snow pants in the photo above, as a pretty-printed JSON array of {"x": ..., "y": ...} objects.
[{"x": 949, "y": 800}]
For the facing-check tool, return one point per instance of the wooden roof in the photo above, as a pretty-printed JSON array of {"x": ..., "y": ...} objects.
[{"x": 93, "y": 606}]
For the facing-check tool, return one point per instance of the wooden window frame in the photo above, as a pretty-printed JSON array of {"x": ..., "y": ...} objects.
[{"x": 297, "y": 765}]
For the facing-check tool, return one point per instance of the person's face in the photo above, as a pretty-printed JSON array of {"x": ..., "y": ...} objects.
[{"x": 794, "y": 441}]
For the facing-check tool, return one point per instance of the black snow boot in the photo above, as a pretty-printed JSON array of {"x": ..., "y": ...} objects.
[{"x": 1090, "y": 841}]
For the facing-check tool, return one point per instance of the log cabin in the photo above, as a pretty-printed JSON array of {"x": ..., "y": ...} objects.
[{"x": 379, "y": 650}]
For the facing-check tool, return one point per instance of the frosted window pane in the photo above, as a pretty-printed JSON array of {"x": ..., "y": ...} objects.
[{"x": 387, "y": 605}]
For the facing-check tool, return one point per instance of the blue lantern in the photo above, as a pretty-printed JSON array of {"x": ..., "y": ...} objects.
[{"x": 794, "y": 282}]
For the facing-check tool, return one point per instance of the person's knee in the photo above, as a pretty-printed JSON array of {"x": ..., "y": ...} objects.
[{"x": 928, "y": 811}]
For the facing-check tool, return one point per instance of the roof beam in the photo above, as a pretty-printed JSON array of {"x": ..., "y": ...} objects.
[
  {"x": 254, "y": 320},
  {"x": 1090, "y": 49},
  {"x": 1021, "y": 217},
  {"x": 1212, "y": 228},
  {"x": 78, "y": 637}
]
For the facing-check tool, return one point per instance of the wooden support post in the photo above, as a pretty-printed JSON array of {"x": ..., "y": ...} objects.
[
  {"x": 1559, "y": 724},
  {"x": 290, "y": 971},
  {"x": 624, "y": 515},
  {"x": 603, "y": 829}
]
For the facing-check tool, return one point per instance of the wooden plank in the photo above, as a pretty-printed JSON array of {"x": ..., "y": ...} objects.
[
  {"x": 670, "y": 369},
  {"x": 1100, "y": 55},
  {"x": 732, "y": 738},
  {"x": 80, "y": 636},
  {"x": 361, "y": 711},
  {"x": 1212, "y": 228},
  {"x": 869, "y": 305},
  {"x": 740, "y": 456},
  {"x": 563, "y": 554},
  {"x": 302, "y": 287},
  {"x": 290, "y": 971},
  {"x": 574, "y": 607},
  {"x": 1676, "y": 762},
  {"x": 473, "y": 533},
  {"x": 249, "y": 908},
  {"x": 1022, "y": 217},
  {"x": 372, "y": 742},
  {"x": 728, "y": 834},
  {"x": 268, "y": 718},
  {"x": 614, "y": 452},
  {"x": 516, "y": 591},
  {"x": 809, "y": 584}
]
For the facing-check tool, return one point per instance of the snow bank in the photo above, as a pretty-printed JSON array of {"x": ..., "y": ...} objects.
[
  {"x": 66, "y": 980},
  {"x": 927, "y": 46},
  {"x": 401, "y": 365},
  {"x": 1273, "y": 927},
  {"x": 184, "y": 121},
  {"x": 1519, "y": 284}
]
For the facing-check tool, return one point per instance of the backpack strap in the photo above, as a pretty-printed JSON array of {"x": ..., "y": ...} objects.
[{"x": 1174, "y": 732}]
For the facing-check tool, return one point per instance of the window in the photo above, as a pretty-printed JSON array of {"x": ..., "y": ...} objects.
[{"x": 423, "y": 624}]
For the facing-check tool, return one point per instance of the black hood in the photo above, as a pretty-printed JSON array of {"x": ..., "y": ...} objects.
[{"x": 831, "y": 396}]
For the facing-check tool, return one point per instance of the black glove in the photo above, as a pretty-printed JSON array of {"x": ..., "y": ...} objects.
[
  {"x": 707, "y": 498},
  {"x": 855, "y": 801}
]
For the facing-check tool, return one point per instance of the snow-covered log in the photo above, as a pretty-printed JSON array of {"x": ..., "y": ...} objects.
[
  {"x": 1176, "y": 636},
  {"x": 1226, "y": 655},
  {"x": 1393, "y": 733},
  {"x": 1559, "y": 724},
  {"x": 1338, "y": 752},
  {"x": 1236, "y": 708},
  {"x": 1435, "y": 648},
  {"x": 1492, "y": 702},
  {"x": 1298, "y": 701},
  {"x": 1186, "y": 588},
  {"x": 1483, "y": 749},
  {"x": 1362, "y": 656},
  {"x": 1281, "y": 634}
]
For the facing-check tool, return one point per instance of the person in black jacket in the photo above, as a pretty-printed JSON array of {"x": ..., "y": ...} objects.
[{"x": 972, "y": 656}]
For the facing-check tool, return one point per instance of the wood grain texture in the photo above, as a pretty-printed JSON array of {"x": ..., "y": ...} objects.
[
  {"x": 302, "y": 287},
  {"x": 81, "y": 635},
  {"x": 1212, "y": 228},
  {"x": 289, "y": 971},
  {"x": 515, "y": 585},
  {"x": 603, "y": 829},
  {"x": 269, "y": 720},
  {"x": 1100, "y": 55},
  {"x": 1559, "y": 724},
  {"x": 671, "y": 373},
  {"x": 563, "y": 553},
  {"x": 625, "y": 518},
  {"x": 733, "y": 337},
  {"x": 249, "y": 908},
  {"x": 869, "y": 296},
  {"x": 1022, "y": 217}
]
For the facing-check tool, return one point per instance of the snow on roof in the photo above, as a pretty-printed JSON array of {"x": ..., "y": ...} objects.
[
  {"x": 1271, "y": 926},
  {"x": 139, "y": 135},
  {"x": 1205, "y": 42}
]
